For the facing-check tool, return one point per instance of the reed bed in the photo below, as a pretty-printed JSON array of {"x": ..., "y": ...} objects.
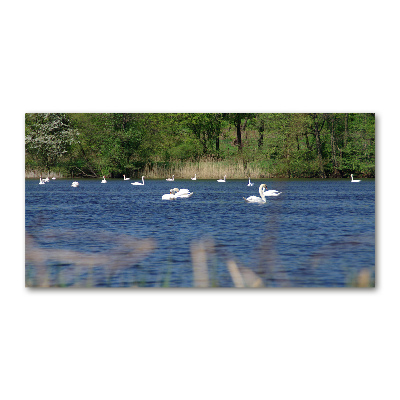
[
  {"x": 36, "y": 173},
  {"x": 208, "y": 169}
]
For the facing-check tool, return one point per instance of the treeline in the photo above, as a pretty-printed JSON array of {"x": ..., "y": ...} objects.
[{"x": 292, "y": 145}]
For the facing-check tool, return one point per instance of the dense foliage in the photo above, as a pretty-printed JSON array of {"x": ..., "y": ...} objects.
[{"x": 293, "y": 145}]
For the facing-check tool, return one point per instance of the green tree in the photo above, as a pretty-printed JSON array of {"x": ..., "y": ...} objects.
[
  {"x": 236, "y": 119},
  {"x": 110, "y": 142},
  {"x": 317, "y": 124},
  {"x": 49, "y": 137},
  {"x": 206, "y": 127},
  {"x": 281, "y": 144}
]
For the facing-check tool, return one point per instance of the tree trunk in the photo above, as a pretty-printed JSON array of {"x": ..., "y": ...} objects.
[
  {"x": 261, "y": 140},
  {"x": 261, "y": 130},
  {"x": 244, "y": 127},
  {"x": 333, "y": 145},
  {"x": 307, "y": 142},
  {"x": 239, "y": 134},
  {"x": 317, "y": 131},
  {"x": 204, "y": 143}
]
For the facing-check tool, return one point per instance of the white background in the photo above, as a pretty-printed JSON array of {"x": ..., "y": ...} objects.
[{"x": 312, "y": 56}]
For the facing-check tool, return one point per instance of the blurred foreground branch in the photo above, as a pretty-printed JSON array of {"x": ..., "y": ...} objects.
[
  {"x": 80, "y": 269},
  {"x": 212, "y": 264}
]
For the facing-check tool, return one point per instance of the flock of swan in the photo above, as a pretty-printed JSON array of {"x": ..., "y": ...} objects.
[{"x": 176, "y": 193}]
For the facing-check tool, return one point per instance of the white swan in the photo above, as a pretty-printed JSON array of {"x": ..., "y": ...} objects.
[
  {"x": 126, "y": 179},
  {"x": 354, "y": 180},
  {"x": 169, "y": 196},
  {"x": 170, "y": 179},
  {"x": 46, "y": 179},
  {"x": 75, "y": 184},
  {"x": 193, "y": 179},
  {"x": 139, "y": 183},
  {"x": 184, "y": 193},
  {"x": 41, "y": 182},
  {"x": 271, "y": 192},
  {"x": 255, "y": 199},
  {"x": 53, "y": 177},
  {"x": 250, "y": 184},
  {"x": 222, "y": 180},
  {"x": 177, "y": 194},
  {"x": 104, "y": 180}
]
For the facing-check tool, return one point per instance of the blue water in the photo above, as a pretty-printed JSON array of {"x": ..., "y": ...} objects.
[{"x": 317, "y": 233}]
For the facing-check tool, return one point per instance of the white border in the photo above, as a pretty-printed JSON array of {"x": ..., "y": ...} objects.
[{"x": 186, "y": 344}]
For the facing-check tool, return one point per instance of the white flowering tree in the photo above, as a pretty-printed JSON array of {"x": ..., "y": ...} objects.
[{"x": 48, "y": 137}]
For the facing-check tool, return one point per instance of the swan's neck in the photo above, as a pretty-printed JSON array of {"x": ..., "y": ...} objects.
[{"x": 261, "y": 191}]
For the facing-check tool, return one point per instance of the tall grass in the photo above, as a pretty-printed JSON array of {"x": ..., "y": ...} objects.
[
  {"x": 237, "y": 167},
  {"x": 36, "y": 173},
  {"x": 204, "y": 169},
  {"x": 209, "y": 169}
]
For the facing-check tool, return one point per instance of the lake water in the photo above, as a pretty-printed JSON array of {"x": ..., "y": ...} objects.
[{"x": 317, "y": 233}]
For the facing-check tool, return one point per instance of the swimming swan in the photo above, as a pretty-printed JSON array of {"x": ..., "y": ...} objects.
[
  {"x": 41, "y": 182},
  {"x": 354, "y": 180},
  {"x": 75, "y": 184},
  {"x": 104, "y": 180},
  {"x": 193, "y": 179},
  {"x": 170, "y": 179},
  {"x": 126, "y": 179},
  {"x": 176, "y": 194},
  {"x": 271, "y": 192},
  {"x": 250, "y": 183},
  {"x": 255, "y": 199},
  {"x": 222, "y": 180},
  {"x": 138, "y": 183},
  {"x": 183, "y": 193},
  {"x": 169, "y": 196}
]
